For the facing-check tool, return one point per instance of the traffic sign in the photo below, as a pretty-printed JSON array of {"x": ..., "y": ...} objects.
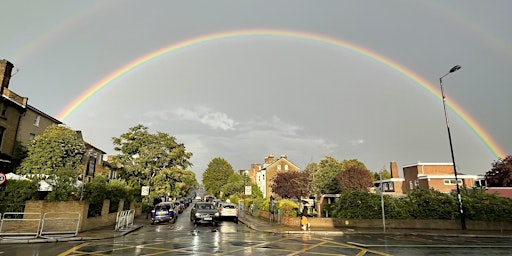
[{"x": 3, "y": 178}]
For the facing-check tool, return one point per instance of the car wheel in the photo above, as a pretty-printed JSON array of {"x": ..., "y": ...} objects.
[{"x": 235, "y": 220}]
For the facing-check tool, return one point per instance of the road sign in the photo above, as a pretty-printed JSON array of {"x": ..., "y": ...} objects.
[
  {"x": 3, "y": 178},
  {"x": 144, "y": 191},
  {"x": 248, "y": 190}
]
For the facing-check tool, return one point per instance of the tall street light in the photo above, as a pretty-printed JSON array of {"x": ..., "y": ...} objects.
[{"x": 461, "y": 209}]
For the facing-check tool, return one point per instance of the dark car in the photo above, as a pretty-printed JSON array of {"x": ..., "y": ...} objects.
[
  {"x": 163, "y": 212},
  {"x": 204, "y": 212}
]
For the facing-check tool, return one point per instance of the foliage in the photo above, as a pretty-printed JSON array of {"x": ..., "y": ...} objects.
[
  {"x": 143, "y": 155},
  {"x": 291, "y": 184},
  {"x": 14, "y": 193},
  {"x": 501, "y": 173},
  {"x": 288, "y": 208},
  {"x": 480, "y": 205},
  {"x": 355, "y": 177},
  {"x": 423, "y": 204},
  {"x": 99, "y": 189},
  {"x": 19, "y": 153},
  {"x": 385, "y": 175},
  {"x": 325, "y": 175},
  {"x": 173, "y": 182},
  {"x": 55, "y": 157},
  {"x": 431, "y": 204},
  {"x": 57, "y": 147},
  {"x": 64, "y": 185},
  {"x": 357, "y": 204},
  {"x": 216, "y": 175},
  {"x": 234, "y": 185}
]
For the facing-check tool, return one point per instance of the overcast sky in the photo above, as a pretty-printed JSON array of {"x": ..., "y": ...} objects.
[{"x": 242, "y": 98}]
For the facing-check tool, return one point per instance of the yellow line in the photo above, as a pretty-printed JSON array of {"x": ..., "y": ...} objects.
[
  {"x": 73, "y": 249},
  {"x": 309, "y": 248}
]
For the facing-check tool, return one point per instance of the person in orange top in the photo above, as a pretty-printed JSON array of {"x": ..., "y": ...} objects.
[{"x": 304, "y": 223}]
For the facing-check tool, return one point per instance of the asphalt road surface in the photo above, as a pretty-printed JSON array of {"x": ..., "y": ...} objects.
[{"x": 229, "y": 238}]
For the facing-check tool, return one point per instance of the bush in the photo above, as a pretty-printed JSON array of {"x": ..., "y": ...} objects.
[
  {"x": 288, "y": 208},
  {"x": 14, "y": 193}
]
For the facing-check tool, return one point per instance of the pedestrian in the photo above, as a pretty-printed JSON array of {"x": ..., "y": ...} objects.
[{"x": 304, "y": 223}]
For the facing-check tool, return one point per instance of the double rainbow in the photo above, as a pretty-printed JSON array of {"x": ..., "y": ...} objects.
[{"x": 471, "y": 122}]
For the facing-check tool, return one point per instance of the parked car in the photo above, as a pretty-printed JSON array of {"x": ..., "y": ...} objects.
[
  {"x": 204, "y": 212},
  {"x": 178, "y": 207},
  {"x": 228, "y": 210},
  {"x": 163, "y": 212}
]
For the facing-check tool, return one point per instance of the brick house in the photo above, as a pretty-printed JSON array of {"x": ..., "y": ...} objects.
[
  {"x": 263, "y": 174},
  {"x": 12, "y": 107},
  {"x": 439, "y": 176},
  {"x": 20, "y": 122},
  {"x": 393, "y": 185}
]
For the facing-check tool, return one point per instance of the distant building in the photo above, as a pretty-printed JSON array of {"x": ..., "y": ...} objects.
[
  {"x": 12, "y": 108},
  {"x": 267, "y": 171},
  {"x": 439, "y": 176},
  {"x": 393, "y": 185}
]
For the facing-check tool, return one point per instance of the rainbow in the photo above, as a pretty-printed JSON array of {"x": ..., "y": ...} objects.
[{"x": 471, "y": 122}]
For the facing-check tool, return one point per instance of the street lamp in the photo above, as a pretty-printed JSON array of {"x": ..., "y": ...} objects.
[{"x": 461, "y": 209}]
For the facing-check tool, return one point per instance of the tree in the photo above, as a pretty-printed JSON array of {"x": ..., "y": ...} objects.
[
  {"x": 325, "y": 176},
  {"x": 291, "y": 184},
  {"x": 234, "y": 185},
  {"x": 501, "y": 173},
  {"x": 173, "y": 182},
  {"x": 355, "y": 177},
  {"x": 56, "y": 148},
  {"x": 385, "y": 175},
  {"x": 143, "y": 155},
  {"x": 216, "y": 175}
]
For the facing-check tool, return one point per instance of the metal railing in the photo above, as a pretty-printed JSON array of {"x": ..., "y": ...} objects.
[
  {"x": 59, "y": 224},
  {"x": 20, "y": 225},
  {"x": 124, "y": 219}
]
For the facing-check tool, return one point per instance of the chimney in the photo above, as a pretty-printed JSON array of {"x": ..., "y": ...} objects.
[
  {"x": 5, "y": 73},
  {"x": 394, "y": 169},
  {"x": 284, "y": 156},
  {"x": 269, "y": 159}
]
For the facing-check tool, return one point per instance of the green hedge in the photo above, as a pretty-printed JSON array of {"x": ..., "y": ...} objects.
[
  {"x": 99, "y": 189},
  {"x": 14, "y": 193},
  {"x": 423, "y": 204}
]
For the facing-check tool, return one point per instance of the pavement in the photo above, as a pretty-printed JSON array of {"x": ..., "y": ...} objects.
[{"x": 258, "y": 224}]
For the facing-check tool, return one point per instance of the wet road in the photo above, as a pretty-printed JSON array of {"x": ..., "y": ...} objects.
[{"x": 229, "y": 238}]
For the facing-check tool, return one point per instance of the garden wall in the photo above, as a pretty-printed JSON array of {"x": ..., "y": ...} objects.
[
  {"x": 392, "y": 223},
  {"x": 106, "y": 219}
]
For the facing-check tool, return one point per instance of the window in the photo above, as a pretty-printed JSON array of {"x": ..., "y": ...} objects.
[
  {"x": 31, "y": 136},
  {"x": 286, "y": 167},
  {"x": 3, "y": 111},
  {"x": 451, "y": 182},
  {"x": 2, "y": 130},
  {"x": 391, "y": 186},
  {"x": 36, "y": 121},
  {"x": 279, "y": 167}
]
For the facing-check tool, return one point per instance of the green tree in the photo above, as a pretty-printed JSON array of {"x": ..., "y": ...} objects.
[
  {"x": 173, "y": 182},
  {"x": 216, "y": 175},
  {"x": 385, "y": 175},
  {"x": 57, "y": 147},
  {"x": 143, "y": 155},
  {"x": 325, "y": 176},
  {"x": 234, "y": 185},
  {"x": 55, "y": 156}
]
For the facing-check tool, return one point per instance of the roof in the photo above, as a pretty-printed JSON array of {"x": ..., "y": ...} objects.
[{"x": 427, "y": 164}]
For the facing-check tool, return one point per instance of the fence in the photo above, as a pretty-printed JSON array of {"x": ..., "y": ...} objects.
[
  {"x": 59, "y": 224},
  {"x": 21, "y": 225},
  {"x": 124, "y": 219}
]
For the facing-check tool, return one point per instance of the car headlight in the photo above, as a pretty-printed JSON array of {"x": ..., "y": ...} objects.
[
  {"x": 216, "y": 214},
  {"x": 198, "y": 215}
]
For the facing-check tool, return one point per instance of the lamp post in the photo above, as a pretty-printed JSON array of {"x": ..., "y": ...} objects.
[{"x": 461, "y": 209}]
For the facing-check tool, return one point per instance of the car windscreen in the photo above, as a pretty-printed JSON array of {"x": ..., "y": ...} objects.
[{"x": 227, "y": 206}]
